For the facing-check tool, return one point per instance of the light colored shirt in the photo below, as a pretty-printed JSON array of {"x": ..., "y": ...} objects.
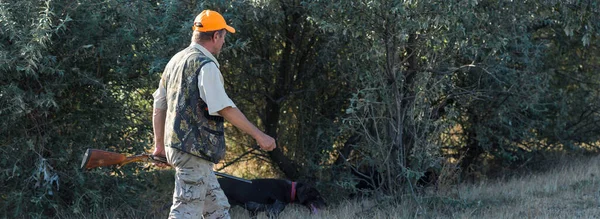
[{"x": 210, "y": 85}]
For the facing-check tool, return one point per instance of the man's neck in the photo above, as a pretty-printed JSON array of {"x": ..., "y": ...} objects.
[
  {"x": 207, "y": 45},
  {"x": 205, "y": 51}
]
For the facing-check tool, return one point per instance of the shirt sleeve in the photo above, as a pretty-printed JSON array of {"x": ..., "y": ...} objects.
[
  {"x": 160, "y": 100},
  {"x": 212, "y": 90}
]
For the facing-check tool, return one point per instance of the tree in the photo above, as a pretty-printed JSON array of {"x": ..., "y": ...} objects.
[
  {"x": 74, "y": 75},
  {"x": 282, "y": 71}
]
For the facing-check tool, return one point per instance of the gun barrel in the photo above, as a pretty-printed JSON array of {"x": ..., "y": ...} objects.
[{"x": 232, "y": 177}]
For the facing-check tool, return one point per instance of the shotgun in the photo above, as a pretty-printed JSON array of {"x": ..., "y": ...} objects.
[{"x": 99, "y": 158}]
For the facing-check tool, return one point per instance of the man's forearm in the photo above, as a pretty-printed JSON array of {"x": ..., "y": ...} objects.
[
  {"x": 158, "y": 124},
  {"x": 239, "y": 120}
]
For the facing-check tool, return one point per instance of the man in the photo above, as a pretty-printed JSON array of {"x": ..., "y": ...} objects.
[{"x": 189, "y": 107}]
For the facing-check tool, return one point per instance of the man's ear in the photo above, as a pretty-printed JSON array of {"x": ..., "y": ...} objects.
[
  {"x": 219, "y": 34},
  {"x": 214, "y": 36}
]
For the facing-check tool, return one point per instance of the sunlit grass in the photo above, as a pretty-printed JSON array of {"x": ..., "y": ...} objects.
[{"x": 569, "y": 189}]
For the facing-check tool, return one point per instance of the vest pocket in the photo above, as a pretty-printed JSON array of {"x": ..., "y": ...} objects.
[{"x": 213, "y": 143}]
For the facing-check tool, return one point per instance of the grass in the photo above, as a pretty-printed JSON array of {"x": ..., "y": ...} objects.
[{"x": 569, "y": 189}]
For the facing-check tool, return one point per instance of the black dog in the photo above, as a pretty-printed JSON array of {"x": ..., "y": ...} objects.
[{"x": 270, "y": 195}]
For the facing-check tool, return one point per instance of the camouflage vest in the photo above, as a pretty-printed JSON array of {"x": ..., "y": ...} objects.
[{"x": 188, "y": 126}]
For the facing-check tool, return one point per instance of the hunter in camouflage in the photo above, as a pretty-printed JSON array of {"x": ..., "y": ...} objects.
[
  {"x": 190, "y": 106},
  {"x": 188, "y": 126}
]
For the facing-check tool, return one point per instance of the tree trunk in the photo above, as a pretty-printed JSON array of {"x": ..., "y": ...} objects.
[
  {"x": 409, "y": 90},
  {"x": 472, "y": 150},
  {"x": 286, "y": 165}
]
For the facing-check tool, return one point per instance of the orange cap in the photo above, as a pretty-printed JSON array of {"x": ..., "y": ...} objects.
[{"x": 209, "y": 20}]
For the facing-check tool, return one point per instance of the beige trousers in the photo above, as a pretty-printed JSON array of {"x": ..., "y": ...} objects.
[{"x": 197, "y": 192}]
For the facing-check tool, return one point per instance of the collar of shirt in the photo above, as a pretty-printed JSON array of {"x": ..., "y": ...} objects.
[{"x": 206, "y": 52}]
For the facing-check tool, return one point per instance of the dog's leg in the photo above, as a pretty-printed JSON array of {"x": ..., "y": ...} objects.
[
  {"x": 273, "y": 210},
  {"x": 254, "y": 208}
]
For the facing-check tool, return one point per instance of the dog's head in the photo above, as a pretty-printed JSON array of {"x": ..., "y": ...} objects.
[{"x": 308, "y": 196}]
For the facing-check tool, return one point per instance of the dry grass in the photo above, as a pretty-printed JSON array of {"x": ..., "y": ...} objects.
[
  {"x": 570, "y": 189},
  {"x": 346, "y": 209}
]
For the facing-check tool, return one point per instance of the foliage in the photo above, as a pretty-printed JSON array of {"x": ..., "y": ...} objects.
[
  {"x": 284, "y": 73},
  {"x": 74, "y": 76},
  {"x": 571, "y": 33},
  {"x": 484, "y": 83},
  {"x": 478, "y": 72},
  {"x": 516, "y": 111}
]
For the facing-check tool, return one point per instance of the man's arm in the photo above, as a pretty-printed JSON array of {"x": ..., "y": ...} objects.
[
  {"x": 159, "y": 115},
  {"x": 239, "y": 120},
  {"x": 158, "y": 124}
]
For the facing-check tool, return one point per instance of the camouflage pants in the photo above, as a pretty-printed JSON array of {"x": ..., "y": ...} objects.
[{"x": 197, "y": 191}]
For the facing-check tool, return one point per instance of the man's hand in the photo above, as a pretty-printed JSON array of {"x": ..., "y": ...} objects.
[
  {"x": 266, "y": 142},
  {"x": 159, "y": 151}
]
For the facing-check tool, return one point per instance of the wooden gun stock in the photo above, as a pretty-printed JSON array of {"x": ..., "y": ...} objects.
[{"x": 98, "y": 158}]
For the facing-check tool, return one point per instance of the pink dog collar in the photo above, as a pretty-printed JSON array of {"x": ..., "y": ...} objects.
[{"x": 293, "y": 192}]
